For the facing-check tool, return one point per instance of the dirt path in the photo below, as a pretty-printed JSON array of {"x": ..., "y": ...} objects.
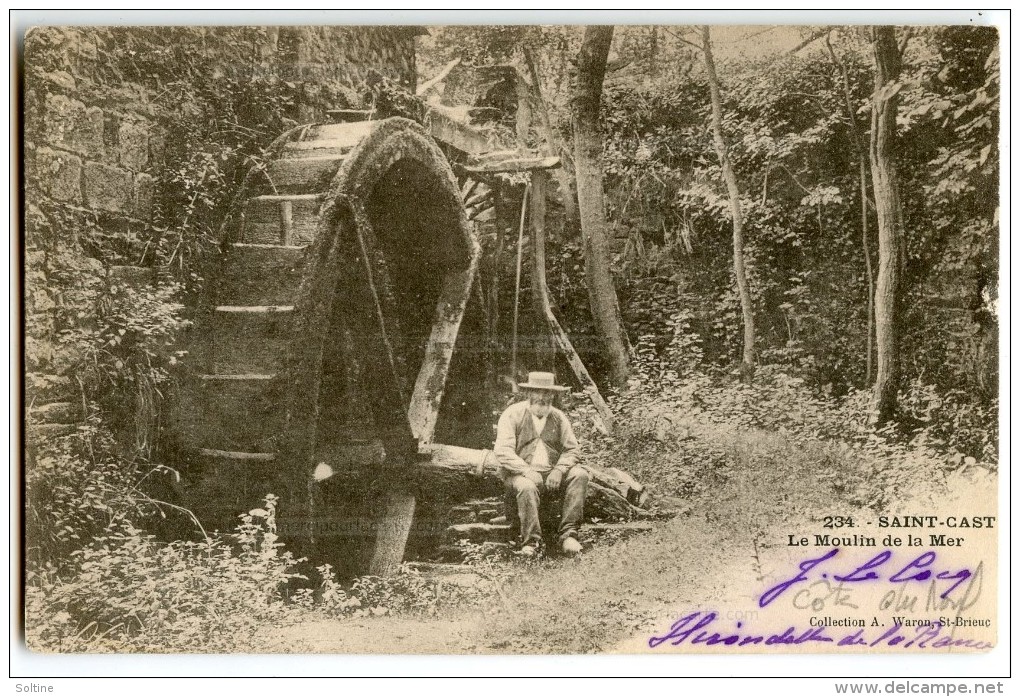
[
  {"x": 583, "y": 605},
  {"x": 719, "y": 557},
  {"x": 974, "y": 492},
  {"x": 379, "y": 635}
]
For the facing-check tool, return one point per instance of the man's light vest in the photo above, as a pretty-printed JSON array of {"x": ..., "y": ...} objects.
[{"x": 551, "y": 436}]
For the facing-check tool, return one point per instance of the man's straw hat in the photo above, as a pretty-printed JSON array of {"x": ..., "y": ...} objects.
[{"x": 542, "y": 381}]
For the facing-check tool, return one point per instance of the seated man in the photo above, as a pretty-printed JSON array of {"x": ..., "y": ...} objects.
[{"x": 537, "y": 452}]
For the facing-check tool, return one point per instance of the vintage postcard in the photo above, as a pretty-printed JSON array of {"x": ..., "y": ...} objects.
[{"x": 521, "y": 339}]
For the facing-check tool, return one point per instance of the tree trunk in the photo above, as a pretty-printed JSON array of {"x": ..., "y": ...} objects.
[
  {"x": 870, "y": 344},
  {"x": 552, "y": 144},
  {"x": 585, "y": 103},
  {"x": 611, "y": 483},
  {"x": 862, "y": 161},
  {"x": 890, "y": 220},
  {"x": 722, "y": 151}
]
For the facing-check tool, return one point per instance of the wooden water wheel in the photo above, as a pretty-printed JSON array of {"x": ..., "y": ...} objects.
[
  {"x": 321, "y": 362},
  {"x": 319, "y": 367}
]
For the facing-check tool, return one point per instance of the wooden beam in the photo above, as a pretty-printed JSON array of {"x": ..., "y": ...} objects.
[
  {"x": 478, "y": 198},
  {"x": 560, "y": 336},
  {"x": 587, "y": 383},
  {"x": 423, "y": 411},
  {"x": 239, "y": 456},
  {"x": 452, "y": 458},
  {"x": 517, "y": 285},
  {"x": 610, "y": 490},
  {"x": 350, "y": 115},
  {"x": 393, "y": 514},
  {"x": 255, "y": 309},
  {"x": 516, "y": 164},
  {"x": 545, "y": 352},
  {"x": 392, "y": 530},
  {"x": 286, "y": 222},
  {"x": 468, "y": 188},
  {"x": 428, "y": 84}
]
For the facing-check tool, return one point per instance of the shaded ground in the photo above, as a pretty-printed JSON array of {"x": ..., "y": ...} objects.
[
  {"x": 577, "y": 605},
  {"x": 720, "y": 556}
]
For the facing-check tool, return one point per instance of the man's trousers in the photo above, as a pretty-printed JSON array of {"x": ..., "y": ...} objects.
[{"x": 525, "y": 494}]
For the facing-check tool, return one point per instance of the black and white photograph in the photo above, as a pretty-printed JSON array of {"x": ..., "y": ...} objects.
[{"x": 478, "y": 338}]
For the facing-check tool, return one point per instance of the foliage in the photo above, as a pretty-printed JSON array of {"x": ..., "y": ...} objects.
[
  {"x": 689, "y": 427},
  {"x": 97, "y": 581},
  {"x": 215, "y": 98},
  {"x": 793, "y": 147},
  {"x": 795, "y": 150},
  {"x": 131, "y": 592},
  {"x": 103, "y": 335},
  {"x": 75, "y": 490},
  {"x": 215, "y": 102},
  {"x": 409, "y": 591}
]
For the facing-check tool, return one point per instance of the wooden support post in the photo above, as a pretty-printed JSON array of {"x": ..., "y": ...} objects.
[
  {"x": 428, "y": 389},
  {"x": 286, "y": 223},
  {"x": 517, "y": 285},
  {"x": 545, "y": 352},
  {"x": 421, "y": 412},
  {"x": 391, "y": 533},
  {"x": 492, "y": 303},
  {"x": 394, "y": 517},
  {"x": 559, "y": 336}
]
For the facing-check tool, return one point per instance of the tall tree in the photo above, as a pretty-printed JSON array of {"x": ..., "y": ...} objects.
[
  {"x": 722, "y": 151},
  {"x": 585, "y": 104},
  {"x": 891, "y": 241},
  {"x": 862, "y": 162}
]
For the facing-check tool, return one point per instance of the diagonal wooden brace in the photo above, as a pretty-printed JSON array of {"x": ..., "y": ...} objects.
[{"x": 423, "y": 411}]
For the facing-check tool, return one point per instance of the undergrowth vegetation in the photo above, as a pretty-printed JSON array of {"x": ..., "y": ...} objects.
[
  {"x": 132, "y": 592},
  {"x": 738, "y": 460},
  {"x": 746, "y": 458},
  {"x": 686, "y": 434}
]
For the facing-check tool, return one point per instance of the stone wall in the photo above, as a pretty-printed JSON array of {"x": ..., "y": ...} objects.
[
  {"x": 89, "y": 155},
  {"x": 98, "y": 165},
  {"x": 90, "y": 158}
]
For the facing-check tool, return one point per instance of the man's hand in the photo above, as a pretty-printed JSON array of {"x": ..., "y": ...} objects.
[{"x": 553, "y": 481}]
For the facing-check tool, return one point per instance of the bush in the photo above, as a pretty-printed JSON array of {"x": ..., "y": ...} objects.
[
  {"x": 76, "y": 489},
  {"x": 409, "y": 591},
  {"x": 126, "y": 591},
  {"x": 130, "y": 592},
  {"x": 692, "y": 434}
]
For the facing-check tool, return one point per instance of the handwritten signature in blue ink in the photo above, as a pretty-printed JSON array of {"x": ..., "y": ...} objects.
[
  {"x": 697, "y": 628},
  {"x": 922, "y": 568}
]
